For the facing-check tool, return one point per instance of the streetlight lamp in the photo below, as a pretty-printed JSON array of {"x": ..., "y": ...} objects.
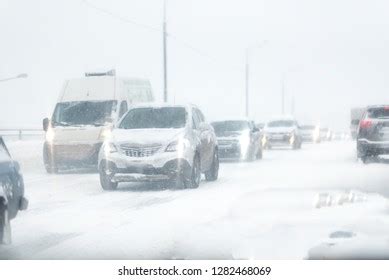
[
  {"x": 20, "y": 76},
  {"x": 248, "y": 50}
]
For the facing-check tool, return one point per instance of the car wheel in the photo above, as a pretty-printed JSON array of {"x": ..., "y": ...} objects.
[
  {"x": 49, "y": 161},
  {"x": 195, "y": 177},
  {"x": 5, "y": 226},
  {"x": 365, "y": 159},
  {"x": 106, "y": 175},
  {"x": 295, "y": 145},
  {"x": 259, "y": 153},
  {"x": 213, "y": 173},
  {"x": 13, "y": 186}
]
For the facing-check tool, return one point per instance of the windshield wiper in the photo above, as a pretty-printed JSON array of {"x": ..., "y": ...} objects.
[
  {"x": 98, "y": 124},
  {"x": 61, "y": 123}
]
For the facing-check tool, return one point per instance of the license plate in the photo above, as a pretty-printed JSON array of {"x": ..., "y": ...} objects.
[
  {"x": 277, "y": 137},
  {"x": 225, "y": 147}
]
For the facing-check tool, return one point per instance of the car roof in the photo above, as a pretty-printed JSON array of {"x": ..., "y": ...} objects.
[
  {"x": 162, "y": 105},
  {"x": 233, "y": 120},
  {"x": 283, "y": 118},
  {"x": 376, "y": 106}
]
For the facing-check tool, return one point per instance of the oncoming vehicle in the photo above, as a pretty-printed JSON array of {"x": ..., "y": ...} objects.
[
  {"x": 373, "y": 133},
  {"x": 310, "y": 133},
  {"x": 160, "y": 143},
  {"x": 325, "y": 134},
  {"x": 283, "y": 132},
  {"x": 238, "y": 139},
  {"x": 84, "y": 116},
  {"x": 11, "y": 192}
]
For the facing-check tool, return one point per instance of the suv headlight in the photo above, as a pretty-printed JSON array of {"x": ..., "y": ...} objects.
[
  {"x": 110, "y": 148},
  {"x": 244, "y": 141},
  {"x": 50, "y": 134},
  {"x": 178, "y": 146}
]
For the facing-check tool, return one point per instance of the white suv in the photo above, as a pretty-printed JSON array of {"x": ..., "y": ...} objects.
[
  {"x": 160, "y": 143},
  {"x": 283, "y": 131}
]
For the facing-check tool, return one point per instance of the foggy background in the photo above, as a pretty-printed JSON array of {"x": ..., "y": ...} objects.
[{"x": 334, "y": 54}]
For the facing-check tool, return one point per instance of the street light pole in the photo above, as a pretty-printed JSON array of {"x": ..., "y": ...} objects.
[
  {"x": 20, "y": 76},
  {"x": 247, "y": 75},
  {"x": 165, "y": 87},
  {"x": 283, "y": 89},
  {"x": 247, "y": 82},
  {"x": 283, "y": 94}
]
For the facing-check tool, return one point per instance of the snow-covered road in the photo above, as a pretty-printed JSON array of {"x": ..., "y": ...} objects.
[{"x": 264, "y": 210}]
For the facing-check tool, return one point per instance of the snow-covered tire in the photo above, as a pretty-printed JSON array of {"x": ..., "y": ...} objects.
[
  {"x": 48, "y": 161},
  {"x": 5, "y": 226},
  {"x": 297, "y": 145},
  {"x": 106, "y": 175},
  {"x": 195, "y": 175},
  {"x": 213, "y": 173},
  {"x": 259, "y": 153},
  {"x": 51, "y": 169}
]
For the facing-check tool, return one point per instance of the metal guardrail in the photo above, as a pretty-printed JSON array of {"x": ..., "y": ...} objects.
[{"x": 21, "y": 132}]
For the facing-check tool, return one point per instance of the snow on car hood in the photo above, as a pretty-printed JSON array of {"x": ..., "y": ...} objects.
[
  {"x": 279, "y": 129},
  {"x": 146, "y": 137},
  {"x": 230, "y": 134}
]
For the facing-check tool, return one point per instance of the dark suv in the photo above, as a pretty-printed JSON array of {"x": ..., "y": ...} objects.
[
  {"x": 373, "y": 133},
  {"x": 238, "y": 139},
  {"x": 11, "y": 192}
]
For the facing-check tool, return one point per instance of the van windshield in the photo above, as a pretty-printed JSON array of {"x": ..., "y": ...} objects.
[
  {"x": 83, "y": 113},
  {"x": 144, "y": 118}
]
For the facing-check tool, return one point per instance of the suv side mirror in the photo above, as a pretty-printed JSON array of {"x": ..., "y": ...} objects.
[{"x": 46, "y": 123}]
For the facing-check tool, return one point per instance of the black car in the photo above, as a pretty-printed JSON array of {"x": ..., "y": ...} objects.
[
  {"x": 373, "y": 133},
  {"x": 238, "y": 139},
  {"x": 11, "y": 192}
]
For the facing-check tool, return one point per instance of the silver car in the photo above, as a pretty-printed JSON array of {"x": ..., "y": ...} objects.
[
  {"x": 160, "y": 143},
  {"x": 283, "y": 132}
]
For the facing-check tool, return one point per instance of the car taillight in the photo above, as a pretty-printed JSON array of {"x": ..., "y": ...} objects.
[{"x": 365, "y": 123}]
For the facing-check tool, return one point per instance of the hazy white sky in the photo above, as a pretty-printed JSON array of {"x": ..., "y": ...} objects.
[{"x": 335, "y": 53}]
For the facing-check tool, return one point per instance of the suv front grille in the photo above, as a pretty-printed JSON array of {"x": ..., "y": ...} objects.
[{"x": 139, "y": 151}]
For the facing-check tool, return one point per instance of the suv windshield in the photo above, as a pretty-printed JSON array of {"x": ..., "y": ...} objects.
[
  {"x": 281, "y": 123},
  {"x": 221, "y": 127},
  {"x": 378, "y": 113},
  {"x": 307, "y": 127},
  {"x": 167, "y": 117},
  {"x": 83, "y": 112}
]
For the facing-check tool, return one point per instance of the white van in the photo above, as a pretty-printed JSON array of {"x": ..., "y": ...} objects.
[{"x": 84, "y": 116}]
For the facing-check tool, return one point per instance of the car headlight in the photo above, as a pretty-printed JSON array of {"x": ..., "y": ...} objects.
[
  {"x": 109, "y": 148},
  {"x": 105, "y": 134},
  {"x": 178, "y": 145},
  {"x": 50, "y": 134},
  {"x": 244, "y": 141},
  {"x": 264, "y": 140},
  {"x": 292, "y": 138}
]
